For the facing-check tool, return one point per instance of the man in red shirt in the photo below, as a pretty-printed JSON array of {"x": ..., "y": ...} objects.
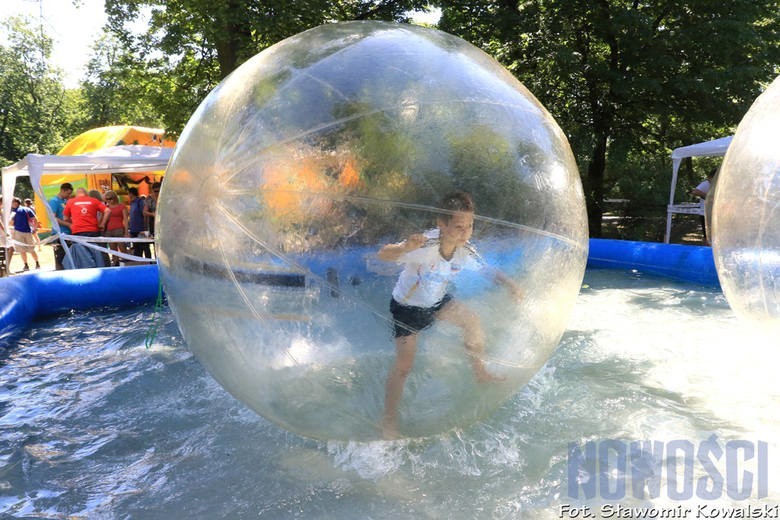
[
  {"x": 82, "y": 211},
  {"x": 82, "y": 214}
]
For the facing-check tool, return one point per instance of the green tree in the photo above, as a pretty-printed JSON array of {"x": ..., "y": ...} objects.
[
  {"x": 191, "y": 45},
  {"x": 34, "y": 107},
  {"x": 627, "y": 80},
  {"x": 118, "y": 88}
]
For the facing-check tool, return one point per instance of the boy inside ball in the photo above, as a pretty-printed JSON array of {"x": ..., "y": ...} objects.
[{"x": 430, "y": 260}]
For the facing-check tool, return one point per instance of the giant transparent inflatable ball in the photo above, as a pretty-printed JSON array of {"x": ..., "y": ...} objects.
[
  {"x": 746, "y": 215},
  {"x": 316, "y": 153}
]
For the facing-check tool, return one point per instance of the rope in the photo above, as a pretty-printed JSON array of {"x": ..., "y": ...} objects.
[
  {"x": 93, "y": 243},
  {"x": 151, "y": 334}
]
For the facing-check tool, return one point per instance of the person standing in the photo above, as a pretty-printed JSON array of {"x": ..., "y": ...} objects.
[
  {"x": 4, "y": 243},
  {"x": 57, "y": 205},
  {"x": 701, "y": 191},
  {"x": 421, "y": 295},
  {"x": 82, "y": 213},
  {"x": 117, "y": 223},
  {"x": 136, "y": 224},
  {"x": 95, "y": 194},
  {"x": 29, "y": 203},
  {"x": 703, "y": 187},
  {"x": 150, "y": 208},
  {"x": 24, "y": 222}
]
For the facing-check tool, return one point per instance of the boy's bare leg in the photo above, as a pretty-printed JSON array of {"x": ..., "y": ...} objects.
[
  {"x": 473, "y": 337},
  {"x": 405, "y": 351}
]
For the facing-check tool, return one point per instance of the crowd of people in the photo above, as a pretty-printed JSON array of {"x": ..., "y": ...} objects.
[{"x": 85, "y": 215}]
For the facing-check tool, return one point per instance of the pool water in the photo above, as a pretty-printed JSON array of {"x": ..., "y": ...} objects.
[{"x": 93, "y": 424}]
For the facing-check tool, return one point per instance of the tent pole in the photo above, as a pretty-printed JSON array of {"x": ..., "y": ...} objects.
[{"x": 675, "y": 170}]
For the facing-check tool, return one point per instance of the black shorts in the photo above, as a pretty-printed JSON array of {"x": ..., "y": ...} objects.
[{"x": 408, "y": 320}]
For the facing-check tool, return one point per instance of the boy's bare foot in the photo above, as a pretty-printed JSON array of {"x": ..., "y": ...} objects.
[{"x": 484, "y": 376}]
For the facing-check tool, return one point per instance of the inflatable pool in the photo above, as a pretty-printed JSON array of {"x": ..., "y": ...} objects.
[
  {"x": 24, "y": 299},
  {"x": 683, "y": 263}
]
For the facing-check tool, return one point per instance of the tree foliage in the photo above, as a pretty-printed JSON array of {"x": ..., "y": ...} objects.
[
  {"x": 627, "y": 80},
  {"x": 35, "y": 111},
  {"x": 191, "y": 45},
  {"x": 118, "y": 89}
]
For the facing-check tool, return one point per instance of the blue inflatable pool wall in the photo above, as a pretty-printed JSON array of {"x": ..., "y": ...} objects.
[
  {"x": 684, "y": 263},
  {"x": 24, "y": 299}
]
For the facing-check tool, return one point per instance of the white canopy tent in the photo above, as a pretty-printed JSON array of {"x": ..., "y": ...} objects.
[
  {"x": 115, "y": 159},
  {"x": 714, "y": 148}
]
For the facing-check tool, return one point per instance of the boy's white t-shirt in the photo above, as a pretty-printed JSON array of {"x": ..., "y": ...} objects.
[{"x": 424, "y": 279}]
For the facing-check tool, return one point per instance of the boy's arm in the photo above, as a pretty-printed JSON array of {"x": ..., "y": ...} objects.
[
  {"x": 392, "y": 252},
  {"x": 507, "y": 282}
]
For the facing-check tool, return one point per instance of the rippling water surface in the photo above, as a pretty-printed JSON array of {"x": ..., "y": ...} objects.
[{"x": 95, "y": 425}]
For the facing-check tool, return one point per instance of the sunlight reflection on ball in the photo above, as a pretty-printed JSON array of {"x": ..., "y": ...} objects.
[
  {"x": 299, "y": 166},
  {"x": 746, "y": 215}
]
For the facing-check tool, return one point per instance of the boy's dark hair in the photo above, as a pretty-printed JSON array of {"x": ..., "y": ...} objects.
[
  {"x": 456, "y": 201},
  {"x": 65, "y": 186},
  {"x": 133, "y": 191}
]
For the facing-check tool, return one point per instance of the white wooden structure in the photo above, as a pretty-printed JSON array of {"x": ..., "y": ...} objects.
[{"x": 714, "y": 148}]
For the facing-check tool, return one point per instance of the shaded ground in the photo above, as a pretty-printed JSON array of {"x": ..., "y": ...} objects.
[
  {"x": 45, "y": 257},
  {"x": 649, "y": 225}
]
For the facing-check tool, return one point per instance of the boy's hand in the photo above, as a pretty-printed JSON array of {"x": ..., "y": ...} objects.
[
  {"x": 516, "y": 292},
  {"x": 392, "y": 252},
  {"x": 514, "y": 289},
  {"x": 415, "y": 241}
]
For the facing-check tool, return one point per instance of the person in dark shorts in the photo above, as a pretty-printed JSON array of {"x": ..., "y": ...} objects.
[
  {"x": 431, "y": 259},
  {"x": 408, "y": 319}
]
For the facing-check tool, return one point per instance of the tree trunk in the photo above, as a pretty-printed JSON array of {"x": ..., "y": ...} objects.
[
  {"x": 232, "y": 38},
  {"x": 6, "y": 111},
  {"x": 594, "y": 194},
  {"x": 227, "y": 53}
]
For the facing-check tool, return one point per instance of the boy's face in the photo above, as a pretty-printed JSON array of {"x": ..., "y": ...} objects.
[{"x": 458, "y": 230}]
